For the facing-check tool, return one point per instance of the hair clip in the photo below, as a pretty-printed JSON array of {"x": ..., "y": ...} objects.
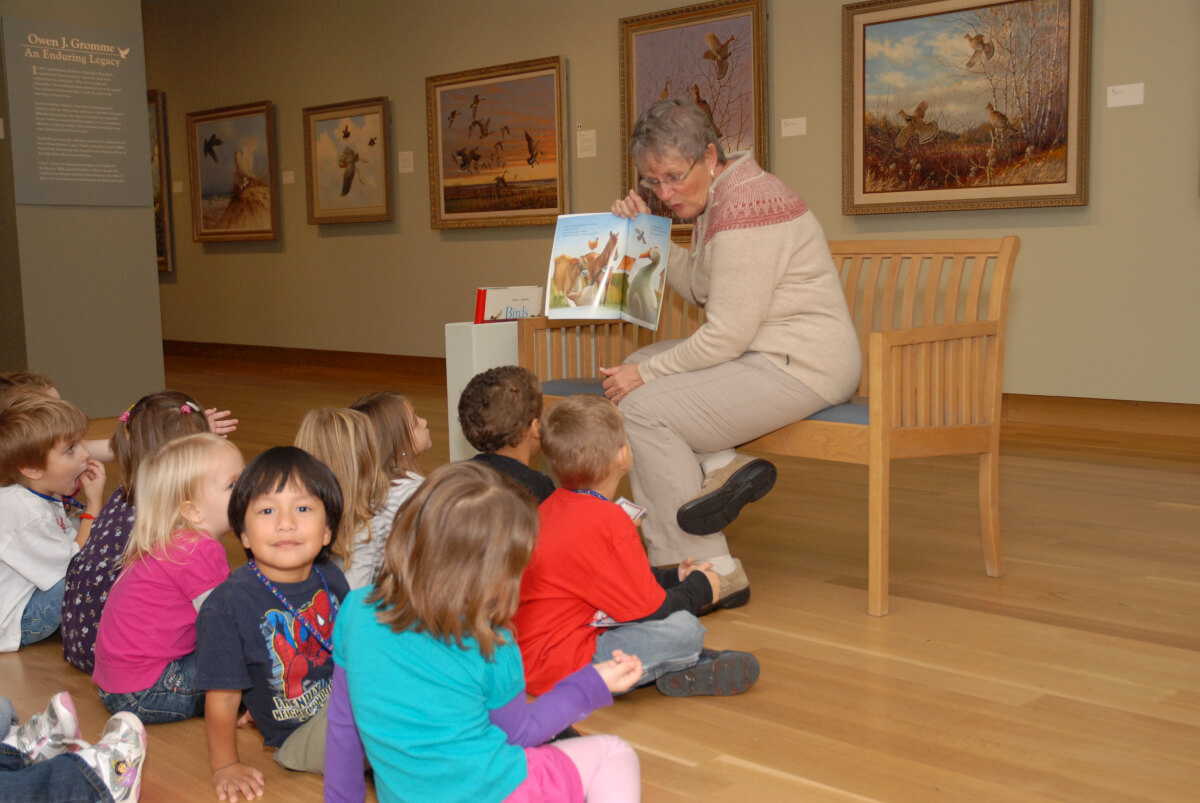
[
  {"x": 183, "y": 408},
  {"x": 124, "y": 417}
]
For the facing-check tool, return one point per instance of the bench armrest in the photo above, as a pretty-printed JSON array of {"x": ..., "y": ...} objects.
[{"x": 936, "y": 376}]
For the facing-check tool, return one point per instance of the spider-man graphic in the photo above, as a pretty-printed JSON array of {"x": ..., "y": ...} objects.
[{"x": 293, "y": 645}]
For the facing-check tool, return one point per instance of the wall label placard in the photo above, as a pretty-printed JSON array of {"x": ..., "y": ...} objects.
[{"x": 77, "y": 114}]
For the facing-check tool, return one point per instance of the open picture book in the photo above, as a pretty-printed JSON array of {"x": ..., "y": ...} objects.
[{"x": 604, "y": 266}]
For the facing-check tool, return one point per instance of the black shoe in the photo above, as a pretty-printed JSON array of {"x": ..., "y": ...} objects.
[
  {"x": 724, "y": 493},
  {"x": 720, "y": 672},
  {"x": 569, "y": 733}
]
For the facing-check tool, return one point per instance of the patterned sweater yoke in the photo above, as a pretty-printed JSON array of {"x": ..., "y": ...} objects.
[{"x": 747, "y": 197}]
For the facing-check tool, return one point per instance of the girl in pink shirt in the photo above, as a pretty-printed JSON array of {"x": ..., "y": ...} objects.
[{"x": 145, "y": 648}]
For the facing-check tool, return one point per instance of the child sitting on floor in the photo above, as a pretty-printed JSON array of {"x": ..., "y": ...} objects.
[
  {"x": 142, "y": 429},
  {"x": 43, "y": 464},
  {"x": 590, "y": 591},
  {"x": 499, "y": 412},
  {"x": 400, "y": 435},
  {"x": 345, "y": 440},
  {"x": 145, "y": 650},
  {"x": 264, "y": 635},
  {"x": 426, "y": 666}
]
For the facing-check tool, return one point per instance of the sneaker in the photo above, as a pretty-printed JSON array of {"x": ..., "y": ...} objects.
[
  {"x": 735, "y": 590},
  {"x": 49, "y": 733},
  {"x": 724, "y": 493},
  {"x": 719, "y": 672},
  {"x": 117, "y": 758}
]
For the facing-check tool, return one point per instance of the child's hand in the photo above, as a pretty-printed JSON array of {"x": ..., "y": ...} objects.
[
  {"x": 237, "y": 779},
  {"x": 219, "y": 422},
  {"x": 91, "y": 483},
  {"x": 621, "y": 672},
  {"x": 688, "y": 566},
  {"x": 245, "y": 719}
]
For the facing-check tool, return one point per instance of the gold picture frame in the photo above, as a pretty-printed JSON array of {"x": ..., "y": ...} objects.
[
  {"x": 960, "y": 105},
  {"x": 233, "y": 171},
  {"x": 497, "y": 145},
  {"x": 716, "y": 54},
  {"x": 347, "y": 158},
  {"x": 160, "y": 177}
]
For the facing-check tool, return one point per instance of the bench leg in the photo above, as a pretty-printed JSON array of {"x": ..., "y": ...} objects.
[
  {"x": 878, "y": 503},
  {"x": 989, "y": 512}
]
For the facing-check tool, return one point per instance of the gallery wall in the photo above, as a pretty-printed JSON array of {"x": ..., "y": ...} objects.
[
  {"x": 1104, "y": 296},
  {"x": 79, "y": 294}
]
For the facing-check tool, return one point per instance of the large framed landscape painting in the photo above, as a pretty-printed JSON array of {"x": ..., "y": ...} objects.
[
  {"x": 711, "y": 54},
  {"x": 961, "y": 104},
  {"x": 232, "y": 165},
  {"x": 497, "y": 153},
  {"x": 346, "y": 156}
]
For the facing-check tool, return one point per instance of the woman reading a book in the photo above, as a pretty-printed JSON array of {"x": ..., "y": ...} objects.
[{"x": 777, "y": 344}]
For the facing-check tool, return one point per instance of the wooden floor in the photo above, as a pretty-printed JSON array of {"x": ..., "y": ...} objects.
[{"x": 1075, "y": 677}]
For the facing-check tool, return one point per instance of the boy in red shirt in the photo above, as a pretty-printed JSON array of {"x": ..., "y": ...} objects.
[{"x": 589, "y": 588}]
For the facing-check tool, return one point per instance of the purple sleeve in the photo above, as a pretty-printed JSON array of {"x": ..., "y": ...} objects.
[
  {"x": 345, "y": 779},
  {"x": 532, "y": 724}
]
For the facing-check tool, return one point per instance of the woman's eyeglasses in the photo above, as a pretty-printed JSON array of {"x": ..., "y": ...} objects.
[{"x": 670, "y": 181}]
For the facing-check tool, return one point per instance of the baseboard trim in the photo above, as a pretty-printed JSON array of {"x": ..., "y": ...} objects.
[
  {"x": 1105, "y": 415},
  {"x": 359, "y": 360}
]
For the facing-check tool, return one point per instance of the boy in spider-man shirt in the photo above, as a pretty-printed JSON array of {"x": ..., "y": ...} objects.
[{"x": 264, "y": 635}]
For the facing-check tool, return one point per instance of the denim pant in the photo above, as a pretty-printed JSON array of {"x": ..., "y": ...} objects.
[
  {"x": 172, "y": 699},
  {"x": 42, "y": 614},
  {"x": 62, "y": 779},
  {"x": 665, "y": 645}
]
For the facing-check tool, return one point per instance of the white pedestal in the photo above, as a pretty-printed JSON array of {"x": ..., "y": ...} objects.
[{"x": 470, "y": 349}]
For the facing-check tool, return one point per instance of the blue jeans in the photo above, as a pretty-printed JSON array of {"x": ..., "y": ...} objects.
[
  {"x": 665, "y": 645},
  {"x": 42, "y": 614},
  {"x": 62, "y": 779},
  {"x": 173, "y": 698}
]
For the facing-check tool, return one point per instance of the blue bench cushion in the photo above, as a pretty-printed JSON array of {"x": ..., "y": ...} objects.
[
  {"x": 855, "y": 412},
  {"x": 569, "y": 387}
]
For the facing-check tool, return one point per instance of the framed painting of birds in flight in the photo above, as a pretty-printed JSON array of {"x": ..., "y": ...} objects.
[
  {"x": 234, "y": 173},
  {"x": 347, "y": 158},
  {"x": 714, "y": 55},
  {"x": 959, "y": 104},
  {"x": 497, "y": 153}
]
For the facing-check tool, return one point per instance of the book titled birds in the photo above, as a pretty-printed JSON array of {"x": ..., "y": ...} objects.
[
  {"x": 506, "y": 303},
  {"x": 604, "y": 266}
]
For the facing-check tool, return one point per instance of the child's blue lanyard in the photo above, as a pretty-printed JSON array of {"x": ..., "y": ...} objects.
[
  {"x": 66, "y": 501},
  {"x": 292, "y": 608},
  {"x": 589, "y": 492}
]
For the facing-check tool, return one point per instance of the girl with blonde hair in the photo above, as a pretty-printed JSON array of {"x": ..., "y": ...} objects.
[
  {"x": 145, "y": 650},
  {"x": 345, "y": 440}
]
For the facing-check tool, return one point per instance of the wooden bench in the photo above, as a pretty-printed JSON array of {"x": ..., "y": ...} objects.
[{"x": 930, "y": 316}]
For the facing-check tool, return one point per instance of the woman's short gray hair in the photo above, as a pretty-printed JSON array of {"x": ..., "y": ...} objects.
[{"x": 674, "y": 124}]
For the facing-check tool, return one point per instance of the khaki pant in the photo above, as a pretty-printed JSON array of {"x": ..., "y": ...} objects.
[
  {"x": 676, "y": 421},
  {"x": 304, "y": 748}
]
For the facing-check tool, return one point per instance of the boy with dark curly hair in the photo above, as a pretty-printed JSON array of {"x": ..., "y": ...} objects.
[{"x": 499, "y": 412}]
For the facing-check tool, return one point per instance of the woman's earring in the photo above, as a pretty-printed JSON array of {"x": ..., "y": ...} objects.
[{"x": 711, "y": 172}]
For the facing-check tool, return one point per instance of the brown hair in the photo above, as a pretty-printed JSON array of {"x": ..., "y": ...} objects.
[
  {"x": 24, "y": 379},
  {"x": 344, "y": 440},
  {"x": 497, "y": 407},
  {"x": 31, "y": 424},
  {"x": 581, "y": 436},
  {"x": 392, "y": 416},
  {"x": 151, "y": 422},
  {"x": 452, "y": 565}
]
